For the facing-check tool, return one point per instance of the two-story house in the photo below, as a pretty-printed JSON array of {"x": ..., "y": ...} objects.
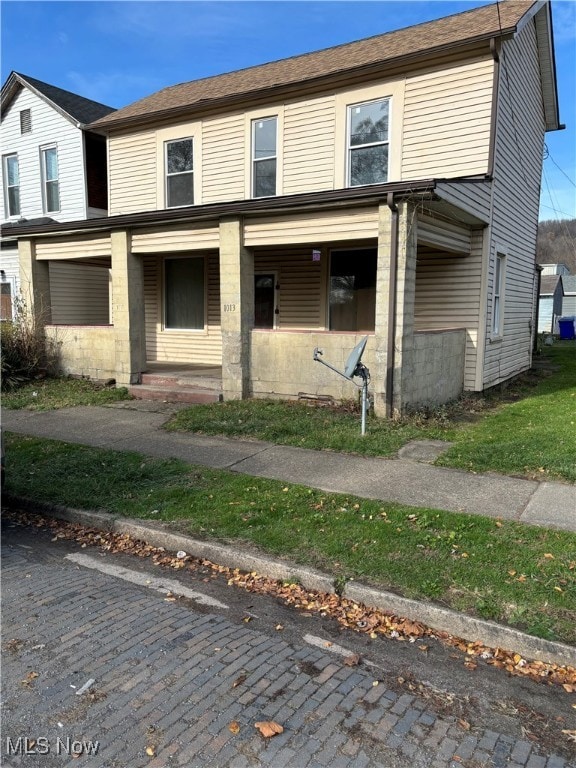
[
  {"x": 386, "y": 188},
  {"x": 53, "y": 169}
]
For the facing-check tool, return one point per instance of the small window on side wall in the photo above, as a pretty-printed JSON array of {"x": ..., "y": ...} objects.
[
  {"x": 368, "y": 143},
  {"x": 179, "y": 164},
  {"x": 498, "y": 300},
  {"x": 184, "y": 293},
  {"x": 11, "y": 185},
  {"x": 352, "y": 299}
]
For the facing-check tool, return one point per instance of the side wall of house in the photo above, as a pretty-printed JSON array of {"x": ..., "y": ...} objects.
[
  {"x": 516, "y": 193},
  {"x": 49, "y": 128},
  {"x": 439, "y": 126}
]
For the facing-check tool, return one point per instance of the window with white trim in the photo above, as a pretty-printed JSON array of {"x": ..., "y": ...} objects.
[
  {"x": 50, "y": 179},
  {"x": 184, "y": 293},
  {"x": 264, "y": 156},
  {"x": 11, "y": 174},
  {"x": 497, "y": 303},
  {"x": 368, "y": 140},
  {"x": 179, "y": 165}
]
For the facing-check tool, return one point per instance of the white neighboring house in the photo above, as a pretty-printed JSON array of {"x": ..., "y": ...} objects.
[{"x": 53, "y": 170}]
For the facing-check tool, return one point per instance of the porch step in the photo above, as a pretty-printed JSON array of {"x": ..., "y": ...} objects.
[
  {"x": 174, "y": 394},
  {"x": 177, "y": 380}
]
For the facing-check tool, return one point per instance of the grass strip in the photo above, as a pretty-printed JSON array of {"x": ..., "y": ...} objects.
[
  {"x": 49, "y": 394},
  {"x": 520, "y": 575},
  {"x": 526, "y": 427}
]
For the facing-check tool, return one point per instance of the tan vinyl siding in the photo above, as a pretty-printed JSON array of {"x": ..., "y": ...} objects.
[
  {"x": 447, "y": 121},
  {"x": 223, "y": 159},
  {"x": 73, "y": 248},
  {"x": 309, "y": 129},
  {"x": 79, "y": 294},
  {"x": 132, "y": 168},
  {"x": 444, "y": 235},
  {"x": 299, "y": 297},
  {"x": 516, "y": 198},
  {"x": 312, "y": 228},
  {"x": 448, "y": 296},
  {"x": 181, "y": 346},
  {"x": 175, "y": 239}
]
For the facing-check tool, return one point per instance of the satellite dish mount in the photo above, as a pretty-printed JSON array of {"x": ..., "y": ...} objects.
[{"x": 353, "y": 368}]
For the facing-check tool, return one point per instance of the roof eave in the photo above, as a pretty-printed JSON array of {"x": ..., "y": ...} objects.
[
  {"x": 105, "y": 124},
  {"x": 542, "y": 14}
]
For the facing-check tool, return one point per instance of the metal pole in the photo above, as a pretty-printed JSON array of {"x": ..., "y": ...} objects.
[{"x": 364, "y": 402}]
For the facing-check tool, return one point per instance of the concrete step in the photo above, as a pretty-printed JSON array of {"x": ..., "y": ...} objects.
[
  {"x": 174, "y": 394},
  {"x": 175, "y": 380}
]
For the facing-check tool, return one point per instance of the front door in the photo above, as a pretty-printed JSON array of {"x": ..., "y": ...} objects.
[{"x": 264, "y": 301}]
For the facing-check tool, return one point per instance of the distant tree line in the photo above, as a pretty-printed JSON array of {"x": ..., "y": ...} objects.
[{"x": 557, "y": 243}]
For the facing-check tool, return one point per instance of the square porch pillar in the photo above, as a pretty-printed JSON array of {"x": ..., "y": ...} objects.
[
  {"x": 237, "y": 309},
  {"x": 395, "y": 297},
  {"x": 127, "y": 310},
  {"x": 34, "y": 284}
]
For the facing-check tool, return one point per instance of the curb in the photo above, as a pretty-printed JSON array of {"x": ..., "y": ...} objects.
[{"x": 437, "y": 618}]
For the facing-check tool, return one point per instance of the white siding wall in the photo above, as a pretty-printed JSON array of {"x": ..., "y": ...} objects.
[
  {"x": 444, "y": 118},
  {"x": 447, "y": 121},
  {"x": 79, "y": 294},
  {"x": 518, "y": 159},
  {"x": 48, "y": 127},
  {"x": 448, "y": 296}
]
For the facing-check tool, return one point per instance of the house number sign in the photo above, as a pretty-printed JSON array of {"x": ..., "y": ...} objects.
[{"x": 229, "y": 307}]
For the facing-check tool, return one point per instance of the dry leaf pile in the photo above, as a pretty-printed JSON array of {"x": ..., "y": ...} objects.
[{"x": 349, "y": 614}]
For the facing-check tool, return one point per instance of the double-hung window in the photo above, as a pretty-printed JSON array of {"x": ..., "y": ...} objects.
[
  {"x": 184, "y": 293},
  {"x": 179, "y": 164},
  {"x": 50, "y": 180},
  {"x": 264, "y": 156},
  {"x": 498, "y": 303},
  {"x": 11, "y": 185},
  {"x": 368, "y": 139}
]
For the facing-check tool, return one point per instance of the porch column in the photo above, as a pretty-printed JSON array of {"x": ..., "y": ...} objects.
[
  {"x": 127, "y": 310},
  {"x": 382, "y": 300},
  {"x": 237, "y": 309},
  {"x": 394, "y": 282},
  {"x": 405, "y": 306},
  {"x": 34, "y": 284}
]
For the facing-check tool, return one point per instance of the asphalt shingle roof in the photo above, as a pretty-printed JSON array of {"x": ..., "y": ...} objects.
[
  {"x": 548, "y": 284},
  {"x": 77, "y": 107},
  {"x": 476, "y": 24}
]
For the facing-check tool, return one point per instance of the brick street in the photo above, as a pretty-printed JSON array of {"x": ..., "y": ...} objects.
[{"x": 172, "y": 675}]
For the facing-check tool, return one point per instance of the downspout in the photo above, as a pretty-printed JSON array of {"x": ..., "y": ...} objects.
[
  {"x": 391, "y": 343},
  {"x": 537, "y": 312}
]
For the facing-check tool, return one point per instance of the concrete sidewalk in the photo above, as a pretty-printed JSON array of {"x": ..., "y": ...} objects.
[{"x": 137, "y": 426}]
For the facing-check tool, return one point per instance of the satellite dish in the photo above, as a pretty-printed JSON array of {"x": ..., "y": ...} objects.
[{"x": 354, "y": 358}]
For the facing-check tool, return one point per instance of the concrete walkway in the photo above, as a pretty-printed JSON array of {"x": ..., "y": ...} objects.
[{"x": 137, "y": 426}]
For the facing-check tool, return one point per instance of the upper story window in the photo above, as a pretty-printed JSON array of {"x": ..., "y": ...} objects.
[
  {"x": 25, "y": 121},
  {"x": 264, "y": 143},
  {"x": 50, "y": 179},
  {"x": 11, "y": 176},
  {"x": 179, "y": 166},
  {"x": 368, "y": 138}
]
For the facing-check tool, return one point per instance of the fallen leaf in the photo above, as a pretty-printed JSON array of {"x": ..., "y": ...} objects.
[
  {"x": 549, "y": 556},
  {"x": 269, "y": 728},
  {"x": 464, "y": 724},
  {"x": 352, "y": 661},
  {"x": 571, "y": 734},
  {"x": 279, "y": 627},
  {"x": 239, "y": 681},
  {"x": 423, "y": 647},
  {"x": 234, "y": 727},
  {"x": 569, "y": 688},
  {"x": 151, "y": 750}
]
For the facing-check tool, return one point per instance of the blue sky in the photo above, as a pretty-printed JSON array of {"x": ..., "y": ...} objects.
[{"x": 118, "y": 52}]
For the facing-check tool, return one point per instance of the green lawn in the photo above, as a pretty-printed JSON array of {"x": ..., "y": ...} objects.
[
  {"x": 527, "y": 427},
  {"x": 48, "y": 394},
  {"x": 516, "y": 574}
]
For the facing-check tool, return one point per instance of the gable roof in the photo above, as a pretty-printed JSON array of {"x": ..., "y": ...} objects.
[
  {"x": 75, "y": 108},
  {"x": 549, "y": 284},
  {"x": 361, "y": 57},
  {"x": 569, "y": 283}
]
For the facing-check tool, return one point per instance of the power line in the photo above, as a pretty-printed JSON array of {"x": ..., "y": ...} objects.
[{"x": 549, "y": 156}]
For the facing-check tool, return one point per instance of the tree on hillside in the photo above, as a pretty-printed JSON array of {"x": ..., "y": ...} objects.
[{"x": 557, "y": 243}]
